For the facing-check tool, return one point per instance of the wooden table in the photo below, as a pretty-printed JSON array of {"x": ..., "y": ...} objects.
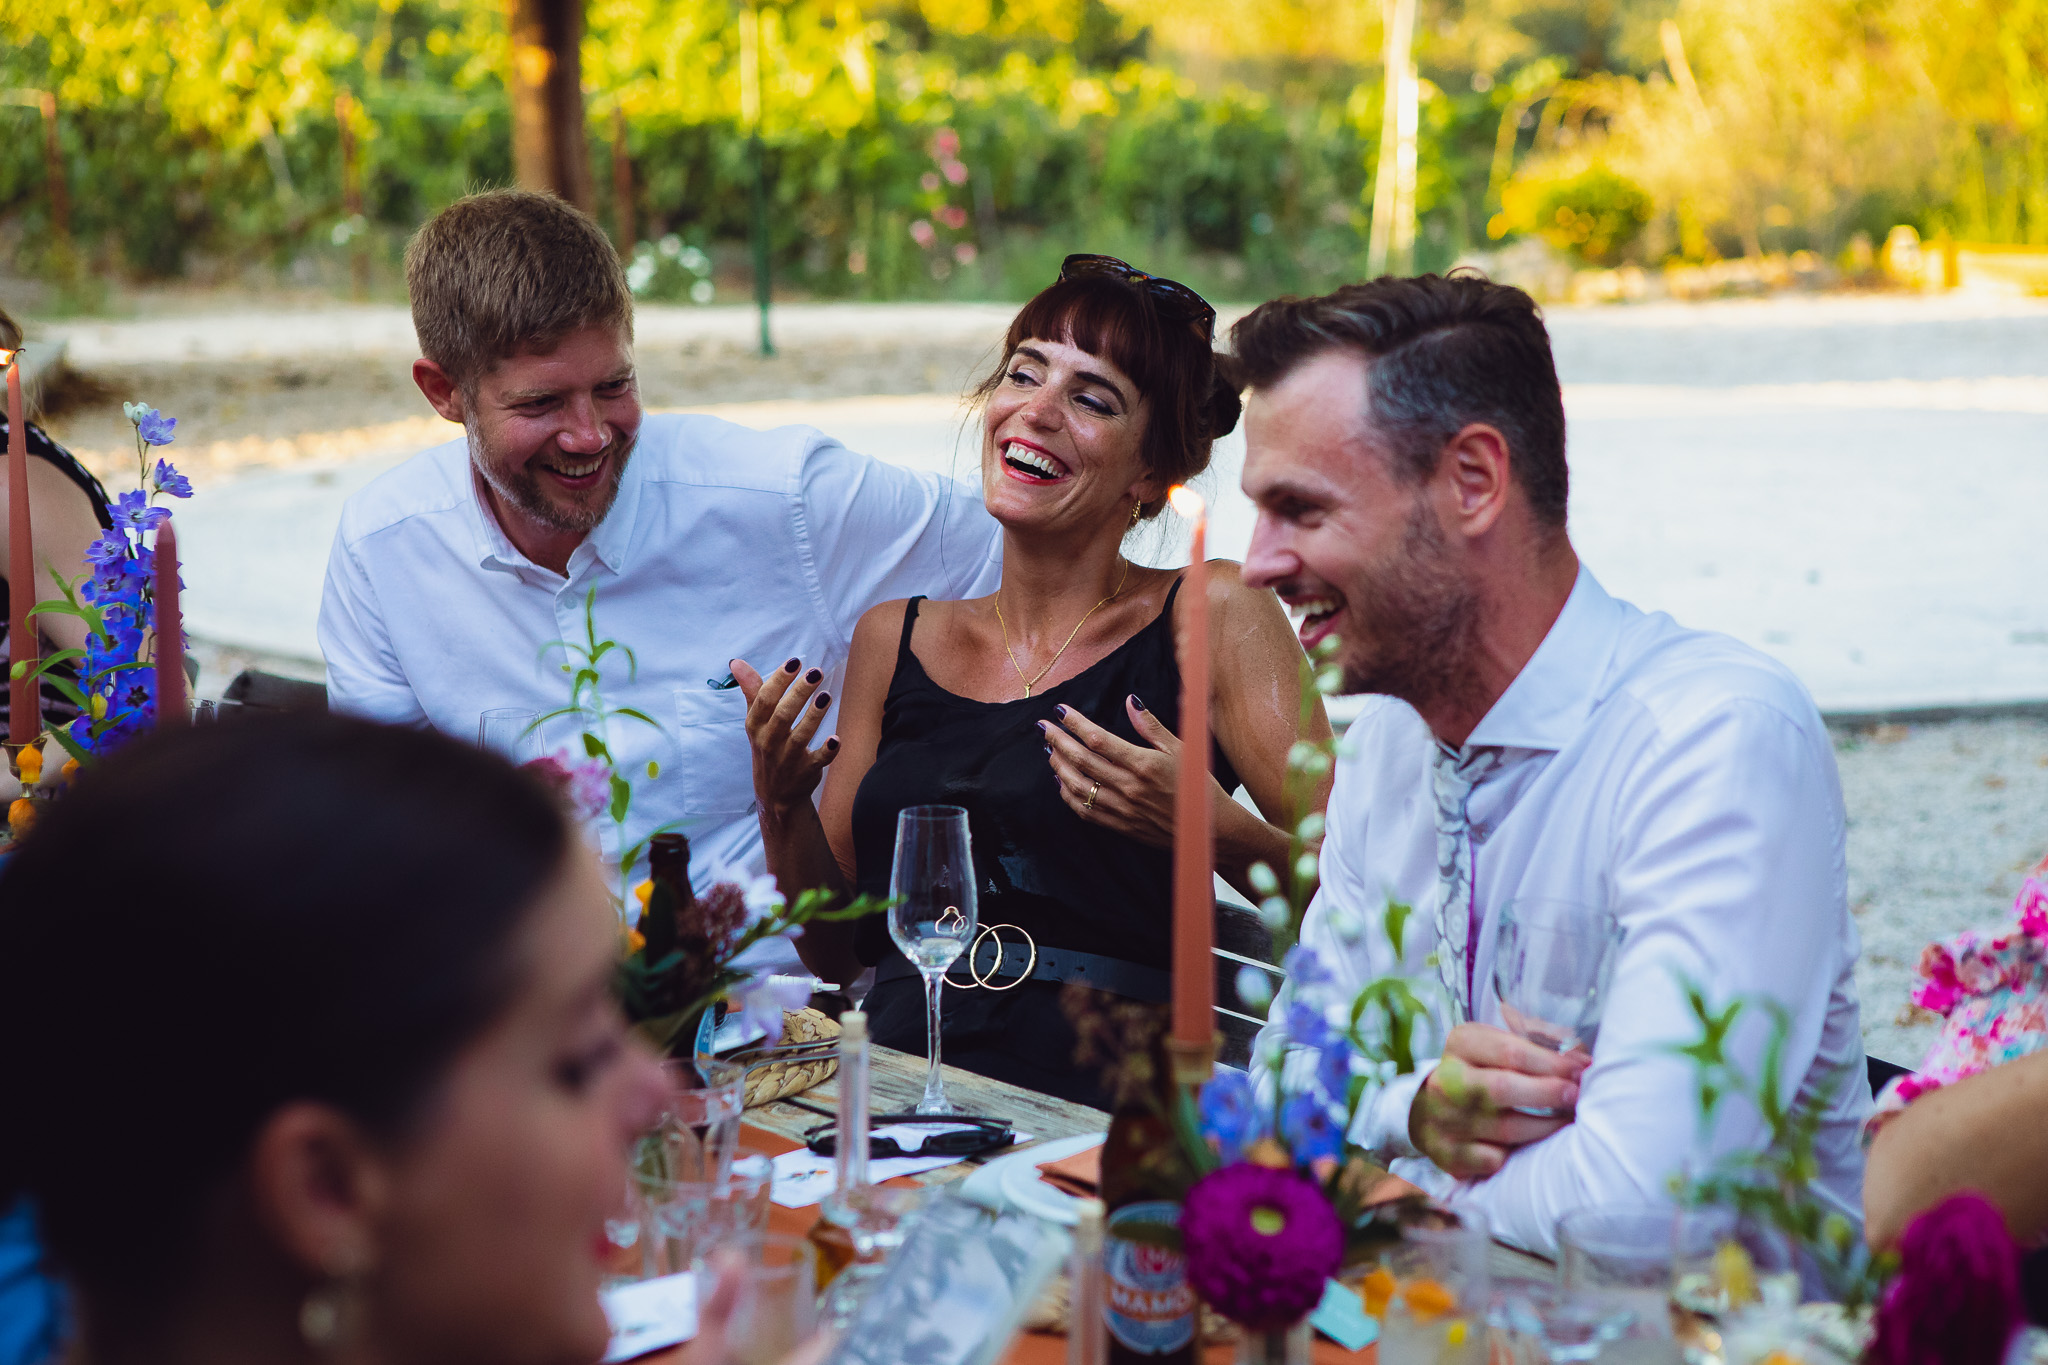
[{"x": 896, "y": 1083}]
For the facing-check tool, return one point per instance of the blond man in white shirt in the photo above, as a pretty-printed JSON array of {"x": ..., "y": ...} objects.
[
  {"x": 704, "y": 541},
  {"x": 1531, "y": 736}
]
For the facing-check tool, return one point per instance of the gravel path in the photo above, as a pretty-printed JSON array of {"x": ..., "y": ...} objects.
[{"x": 1944, "y": 822}]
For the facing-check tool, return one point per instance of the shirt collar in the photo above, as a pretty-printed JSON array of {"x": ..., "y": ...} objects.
[
  {"x": 611, "y": 542},
  {"x": 1549, "y": 701}
]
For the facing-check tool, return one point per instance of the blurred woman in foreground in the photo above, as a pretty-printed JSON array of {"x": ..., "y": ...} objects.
[{"x": 311, "y": 1052}]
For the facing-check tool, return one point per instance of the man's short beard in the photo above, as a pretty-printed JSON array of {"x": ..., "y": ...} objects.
[
  {"x": 1424, "y": 620},
  {"x": 522, "y": 491}
]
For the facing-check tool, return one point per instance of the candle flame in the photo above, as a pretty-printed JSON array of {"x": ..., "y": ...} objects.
[
  {"x": 1186, "y": 501},
  {"x": 7, "y": 357}
]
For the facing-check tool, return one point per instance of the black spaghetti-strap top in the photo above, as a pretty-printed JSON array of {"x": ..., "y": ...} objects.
[
  {"x": 1068, "y": 883},
  {"x": 57, "y": 708}
]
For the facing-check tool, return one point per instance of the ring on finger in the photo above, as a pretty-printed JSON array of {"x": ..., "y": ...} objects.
[{"x": 1094, "y": 790}]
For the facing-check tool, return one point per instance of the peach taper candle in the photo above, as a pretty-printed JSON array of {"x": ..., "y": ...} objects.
[
  {"x": 24, "y": 697},
  {"x": 1194, "y": 876},
  {"x": 170, "y": 632}
]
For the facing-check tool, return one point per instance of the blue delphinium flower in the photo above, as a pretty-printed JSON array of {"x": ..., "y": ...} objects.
[
  {"x": 167, "y": 479},
  {"x": 152, "y": 426},
  {"x": 1229, "y": 1114},
  {"x": 132, "y": 512},
  {"x": 112, "y": 545},
  {"x": 1306, "y": 1026},
  {"x": 1304, "y": 968},
  {"x": 1311, "y": 1133}
]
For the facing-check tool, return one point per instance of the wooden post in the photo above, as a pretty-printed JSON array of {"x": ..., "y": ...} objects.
[
  {"x": 550, "y": 151},
  {"x": 352, "y": 197},
  {"x": 623, "y": 228},
  {"x": 53, "y": 168}
]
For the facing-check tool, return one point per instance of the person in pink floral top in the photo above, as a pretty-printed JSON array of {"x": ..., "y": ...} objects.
[{"x": 1975, "y": 1115}]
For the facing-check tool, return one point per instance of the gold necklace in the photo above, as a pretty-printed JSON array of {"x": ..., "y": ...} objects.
[{"x": 1032, "y": 681}]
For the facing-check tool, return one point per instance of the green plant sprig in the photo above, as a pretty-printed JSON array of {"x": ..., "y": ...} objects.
[{"x": 1777, "y": 1183}]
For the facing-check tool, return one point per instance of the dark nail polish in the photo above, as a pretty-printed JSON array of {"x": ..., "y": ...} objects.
[
  {"x": 824, "y": 700},
  {"x": 832, "y": 743},
  {"x": 814, "y": 677},
  {"x": 1048, "y": 748},
  {"x": 791, "y": 666},
  {"x": 1060, "y": 711},
  {"x": 1137, "y": 701}
]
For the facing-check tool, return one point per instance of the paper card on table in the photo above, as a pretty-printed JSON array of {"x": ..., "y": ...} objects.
[
  {"x": 650, "y": 1314},
  {"x": 803, "y": 1177},
  {"x": 1342, "y": 1318}
]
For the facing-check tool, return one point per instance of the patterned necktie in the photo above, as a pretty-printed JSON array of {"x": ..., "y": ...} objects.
[{"x": 1454, "y": 773}]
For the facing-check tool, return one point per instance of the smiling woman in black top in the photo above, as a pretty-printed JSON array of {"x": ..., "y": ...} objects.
[{"x": 1049, "y": 710}]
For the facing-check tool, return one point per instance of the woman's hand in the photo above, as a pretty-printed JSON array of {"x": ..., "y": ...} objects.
[
  {"x": 782, "y": 718},
  {"x": 1118, "y": 785}
]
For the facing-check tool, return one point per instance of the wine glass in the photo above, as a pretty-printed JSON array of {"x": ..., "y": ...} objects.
[
  {"x": 1551, "y": 966},
  {"x": 933, "y": 915},
  {"x": 510, "y": 732}
]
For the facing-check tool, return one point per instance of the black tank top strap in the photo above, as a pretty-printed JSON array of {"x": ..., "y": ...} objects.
[{"x": 909, "y": 623}]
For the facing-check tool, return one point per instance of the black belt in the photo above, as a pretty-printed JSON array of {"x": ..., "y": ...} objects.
[{"x": 1005, "y": 965}]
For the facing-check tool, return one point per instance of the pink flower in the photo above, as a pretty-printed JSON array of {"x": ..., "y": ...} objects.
[
  {"x": 583, "y": 784},
  {"x": 1259, "y": 1244},
  {"x": 953, "y": 216},
  {"x": 945, "y": 146},
  {"x": 965, "y": 252},
  {"x": 923, "y": 233},
  {"x": 954, "y": 171},
  {"x": 1957, "y": 1295},
  {"x": 930, "y": 181}
]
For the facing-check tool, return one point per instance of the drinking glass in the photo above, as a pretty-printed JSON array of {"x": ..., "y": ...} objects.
[
  {"x": 933, "y": 917},
  {"x": 698, "y": 1131},
  {"x": 1551, "y": 965},
  {"x": 1438, "y": 1297},
  {"x": 683, "y": 1221},
  {"x": 877, "y": 1218},
  {"x": 1724, "y": 1261},
  {"x": 511, "y": 733},
  {"x": 778, "y": 1301},
  {"x": 1616, "y": 1267}
]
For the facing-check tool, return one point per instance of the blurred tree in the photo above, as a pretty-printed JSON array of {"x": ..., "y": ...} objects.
[{"x": 550, "y": 147}]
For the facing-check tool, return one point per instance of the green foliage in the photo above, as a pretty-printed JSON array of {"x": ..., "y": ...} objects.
[
  {"x": 1775, "y": 1184},
  {"x": 1595, "y": 215}
]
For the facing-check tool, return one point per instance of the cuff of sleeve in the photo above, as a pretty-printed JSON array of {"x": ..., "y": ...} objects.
[{"x": 1381, "y": 1126}]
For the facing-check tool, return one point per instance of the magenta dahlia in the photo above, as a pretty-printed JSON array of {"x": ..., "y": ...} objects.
[{"x": 1259, "y": 1244}]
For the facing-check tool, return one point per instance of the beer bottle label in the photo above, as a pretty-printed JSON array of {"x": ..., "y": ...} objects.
[{"x": 1147, "y": 1302}]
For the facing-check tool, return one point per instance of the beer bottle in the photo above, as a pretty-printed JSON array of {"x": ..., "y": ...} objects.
[{"x": 1147, "y": 1305}]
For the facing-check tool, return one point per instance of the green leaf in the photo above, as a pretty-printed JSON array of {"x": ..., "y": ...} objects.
[
  {"x": 593, "y": 747},
  {"x": 622, "y": 796},
  {"x": 62, "y": 734},
  {"x": 632, "y": 714}
]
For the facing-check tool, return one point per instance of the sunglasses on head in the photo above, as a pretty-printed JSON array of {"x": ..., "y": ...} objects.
[{"x": 1174, "y": 300}]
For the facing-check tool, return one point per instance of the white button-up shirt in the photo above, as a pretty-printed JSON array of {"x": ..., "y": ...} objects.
[
  {"x": 1679, "y": 778},
  {"x": 725, "y": 543}
]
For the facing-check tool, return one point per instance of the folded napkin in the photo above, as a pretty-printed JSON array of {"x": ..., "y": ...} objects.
[{"x": 1079, "y": 1175}]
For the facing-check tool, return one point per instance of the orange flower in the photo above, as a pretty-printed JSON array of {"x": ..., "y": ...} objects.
[
  {"x": 30, "y": 765},
  {"x": 643, "y": 891},
  {"x": 1428, "y": 1300},
  {"x": 21, "y": 815},
  {"x": 635, "y": 941},
  {"x": 70, "y": 769},
  {"x": 1377, "y": 1289}
]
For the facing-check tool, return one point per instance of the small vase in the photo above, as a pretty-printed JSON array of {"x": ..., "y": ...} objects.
[{"x": 1287, "y": 1346}]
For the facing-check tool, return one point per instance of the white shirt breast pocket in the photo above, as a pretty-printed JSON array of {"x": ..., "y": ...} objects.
[{"x": 717, "y": 763}]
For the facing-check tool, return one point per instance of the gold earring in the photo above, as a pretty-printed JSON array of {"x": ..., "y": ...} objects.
[{"x": 1137, "y": 510}]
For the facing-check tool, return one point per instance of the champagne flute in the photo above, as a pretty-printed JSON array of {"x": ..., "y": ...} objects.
[
  {"x": 933, "y": 917},
  {"x": 1552, "y": 963}
]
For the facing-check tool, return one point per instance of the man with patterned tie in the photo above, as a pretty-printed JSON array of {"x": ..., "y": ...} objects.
[{"x": 1527, "y": 735}]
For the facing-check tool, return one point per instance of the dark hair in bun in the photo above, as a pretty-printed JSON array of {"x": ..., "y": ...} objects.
[
  {"x": 220, "y": 920},
  {"x": 1192, "y": 389}
]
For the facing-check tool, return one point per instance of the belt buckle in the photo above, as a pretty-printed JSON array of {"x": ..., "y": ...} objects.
[{"x": 987, "y": 980}]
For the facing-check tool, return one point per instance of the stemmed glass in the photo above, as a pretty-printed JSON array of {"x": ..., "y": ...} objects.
[
  {"x": 933, "y": 915},
  {"x": 1551, "y": 966},
  {"x": 511, "y": 733}
]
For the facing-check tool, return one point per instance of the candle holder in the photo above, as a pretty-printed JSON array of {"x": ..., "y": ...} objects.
[{"x": 1193, "y": 1064}]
